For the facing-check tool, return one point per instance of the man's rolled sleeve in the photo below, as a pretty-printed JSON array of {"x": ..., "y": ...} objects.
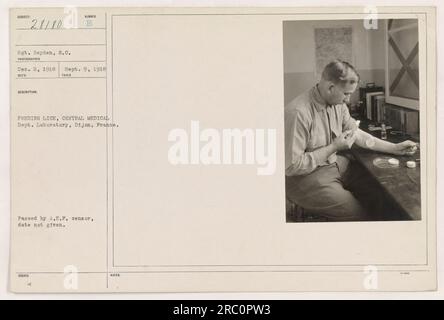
[{"x": 298, "y": 162}]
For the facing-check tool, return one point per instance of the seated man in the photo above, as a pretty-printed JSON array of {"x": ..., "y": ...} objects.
[{"x": 317, "y": 126}]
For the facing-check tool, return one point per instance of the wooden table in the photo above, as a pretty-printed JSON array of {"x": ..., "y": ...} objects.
[{"x": 402, "y": 184}]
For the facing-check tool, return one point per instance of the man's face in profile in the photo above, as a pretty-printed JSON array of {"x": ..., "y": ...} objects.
[{"x": 341, "y": 92}]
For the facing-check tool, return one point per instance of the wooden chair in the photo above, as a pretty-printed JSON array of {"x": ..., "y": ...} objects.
[{"x": 296, "y": 213}]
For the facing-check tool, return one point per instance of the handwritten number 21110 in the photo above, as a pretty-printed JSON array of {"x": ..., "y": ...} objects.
[{"x": 46, "y": 24}]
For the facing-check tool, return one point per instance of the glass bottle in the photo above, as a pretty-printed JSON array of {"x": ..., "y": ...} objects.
[{"x": 383, "y": 132}]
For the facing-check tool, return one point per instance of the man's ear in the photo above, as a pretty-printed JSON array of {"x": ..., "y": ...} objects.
[{"x": 330, "y": 86}]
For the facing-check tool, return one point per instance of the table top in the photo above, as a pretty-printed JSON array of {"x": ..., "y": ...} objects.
[{"x": 401, "y": 183}]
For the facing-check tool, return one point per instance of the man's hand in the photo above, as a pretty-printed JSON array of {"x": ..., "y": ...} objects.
[
  {"x": 345, "y": 140},
  {"x": 405, "y": 148}
]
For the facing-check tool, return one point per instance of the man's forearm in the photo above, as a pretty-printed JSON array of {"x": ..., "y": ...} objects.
[
  {"x": 368, "y": 141},
  {"x": 321, "y": 155},
  {"x": 309, "y": 161}
]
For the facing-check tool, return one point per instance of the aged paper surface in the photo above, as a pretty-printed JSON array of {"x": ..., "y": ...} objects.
[{"x": 98, "y": 97}]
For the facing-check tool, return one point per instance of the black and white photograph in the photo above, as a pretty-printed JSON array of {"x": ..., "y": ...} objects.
[
  {"x": 222, "y": 150},
  {"x": 352, "y": 120}
]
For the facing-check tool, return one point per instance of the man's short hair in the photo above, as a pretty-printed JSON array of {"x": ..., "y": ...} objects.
[{"x": 337, "y": 72}]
